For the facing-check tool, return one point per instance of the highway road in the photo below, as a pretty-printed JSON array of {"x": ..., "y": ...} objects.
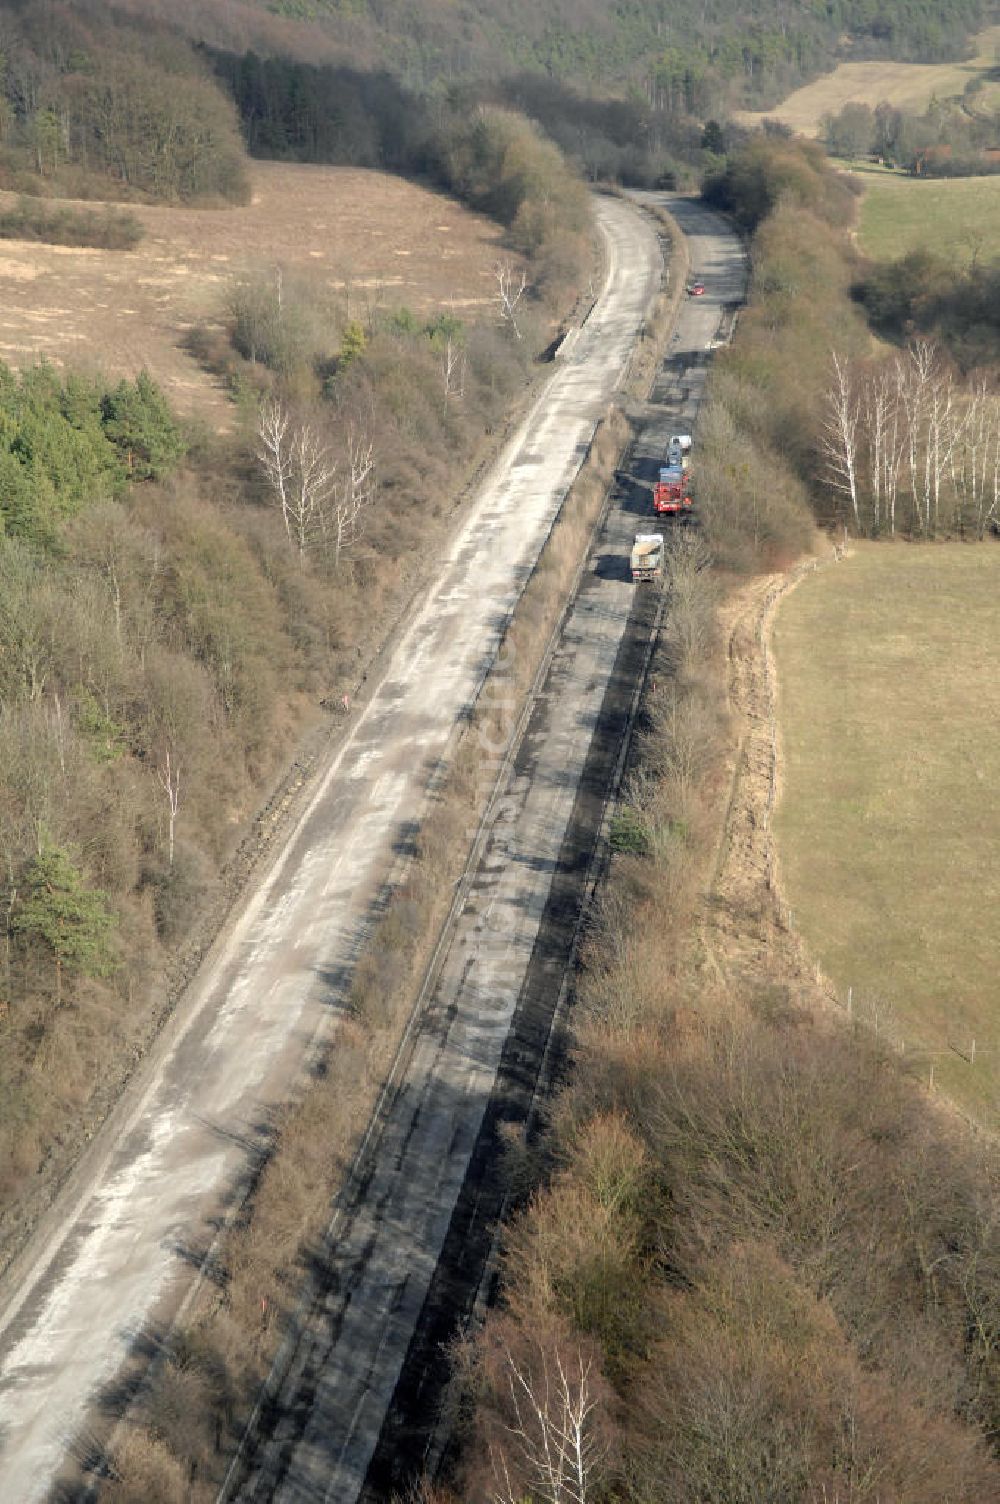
[
  {"x": 109, "y": 1262},
  {"x": 339, "y": 1425}
]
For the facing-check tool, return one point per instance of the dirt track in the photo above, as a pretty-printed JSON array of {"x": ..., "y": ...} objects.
[{"x": 747, "y": 925}]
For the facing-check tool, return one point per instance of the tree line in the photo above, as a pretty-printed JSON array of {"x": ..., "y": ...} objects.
[
  {"x": 92, "y": 95},
  {"x": 907, "y": 448},
  {"x": 949, "y": 139},
  {"x": 900, "y": 443},
  {"x": 926, "y": 294},
  {"x": 489, "y": 158}
]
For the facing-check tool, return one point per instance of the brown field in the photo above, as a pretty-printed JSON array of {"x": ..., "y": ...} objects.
[
  {"x": 888, "y": 824},
  {"x": 117, "y": 311},
  {"x": 907, "y": 85}
]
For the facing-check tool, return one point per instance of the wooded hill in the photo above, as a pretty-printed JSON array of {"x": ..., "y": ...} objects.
[
  {"x": 124, "y": 92},
  {"x": 724, "y": 53}
]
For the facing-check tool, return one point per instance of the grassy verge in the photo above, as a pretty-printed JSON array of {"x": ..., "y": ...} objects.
[
  {"x": 952, "y": 216},
  {"x": 888, "y": 823},
  {"x": 188, "y": 1419}
]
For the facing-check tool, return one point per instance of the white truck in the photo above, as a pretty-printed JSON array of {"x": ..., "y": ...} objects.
[
  {"x": 647, "y": 557},
  {"x": 678, "y": 450}
]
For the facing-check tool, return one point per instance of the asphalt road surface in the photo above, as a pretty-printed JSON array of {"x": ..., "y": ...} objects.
[
  {"x": 336, "y": 1427},
  {"x": 110, "y": 1261}
]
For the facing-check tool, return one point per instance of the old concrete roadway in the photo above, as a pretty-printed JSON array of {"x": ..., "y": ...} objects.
[
  {"x": 110, "y": 1262},
  {"x": 347, "y": 1371}
]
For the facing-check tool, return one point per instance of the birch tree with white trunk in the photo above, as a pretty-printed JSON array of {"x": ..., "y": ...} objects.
[
  {"x": 300, "y": 470},
  {"x": 511, "y": 285},
  {"x": 353, "y": 496},
  {"x": 839, "y": 436},
  {"x": 168, "y": 775},
  {"x": 452, "y": 370},
  {"x": 552, "y": 1437}
]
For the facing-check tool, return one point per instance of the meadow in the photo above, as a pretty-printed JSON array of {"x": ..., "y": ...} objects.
[
  {"x": 887, "y": 824},
  {"x": 957, "y": 217},
  {"x": 368, "y": 237}
]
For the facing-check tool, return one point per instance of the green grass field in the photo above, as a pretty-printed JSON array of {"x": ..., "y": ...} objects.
[
  {"x": 953, "y": 216},
  {"x": 888, "y": 824}
]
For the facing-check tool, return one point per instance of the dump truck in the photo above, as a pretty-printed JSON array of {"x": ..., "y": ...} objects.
[
  {"x": 670, "y": 494},
  {"x": 647, "y": 557}
]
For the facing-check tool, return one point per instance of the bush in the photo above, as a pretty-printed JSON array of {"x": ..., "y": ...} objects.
[
  {"x": 764, "y": 171},
  {"x": 178, "y": 894},
  {"x": 628, "y": 831},
  {"x": 110, "y": 230}
]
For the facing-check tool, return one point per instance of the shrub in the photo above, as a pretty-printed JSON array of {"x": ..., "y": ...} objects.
[{"x": 111, "y": 229}]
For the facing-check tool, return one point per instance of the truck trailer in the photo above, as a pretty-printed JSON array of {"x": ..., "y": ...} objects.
[{"x": 647, "y": 557}]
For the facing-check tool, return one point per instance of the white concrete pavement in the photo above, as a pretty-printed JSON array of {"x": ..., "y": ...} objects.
[{"x": 112, "y": 1261}]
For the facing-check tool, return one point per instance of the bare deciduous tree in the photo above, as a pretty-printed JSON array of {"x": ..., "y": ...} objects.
[
  {"x": 452, "y": 370},
  {"x": 299, "y": 469},
  {"x": 839, "y": 439},
  {"x": 353, "y": 495},
  {"x": 914, "y": 375},
  {"x": 553, "y": 1442},
  {"x": 168, "y": 775},
  {"x": 909, "y": 429},
  {"x": 511, "y": 284}
]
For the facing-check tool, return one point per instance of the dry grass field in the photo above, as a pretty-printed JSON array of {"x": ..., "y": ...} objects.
[
  {"x": 888, "y": 823},
  {"x": 956, "y": 217},
  {"x": 121, "y": 310},
  {"x": 906, "y": 85}
]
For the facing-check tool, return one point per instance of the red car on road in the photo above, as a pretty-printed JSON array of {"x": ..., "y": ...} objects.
[{"x": 696, "y": 289}]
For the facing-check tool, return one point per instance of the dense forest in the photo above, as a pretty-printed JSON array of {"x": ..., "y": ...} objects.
[
  {"x": 327, "y": 113},
  {"x": 95, "y": 106},
  {"x": 726, "y": 53}
]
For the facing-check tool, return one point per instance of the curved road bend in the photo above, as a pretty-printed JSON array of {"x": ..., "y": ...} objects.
[
  {"x": 108, "y": 1262},
  {"x": 343, "y": 1399}
]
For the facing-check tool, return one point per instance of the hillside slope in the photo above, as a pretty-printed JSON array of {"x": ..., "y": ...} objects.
[{"x": 731, "y": 51}]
